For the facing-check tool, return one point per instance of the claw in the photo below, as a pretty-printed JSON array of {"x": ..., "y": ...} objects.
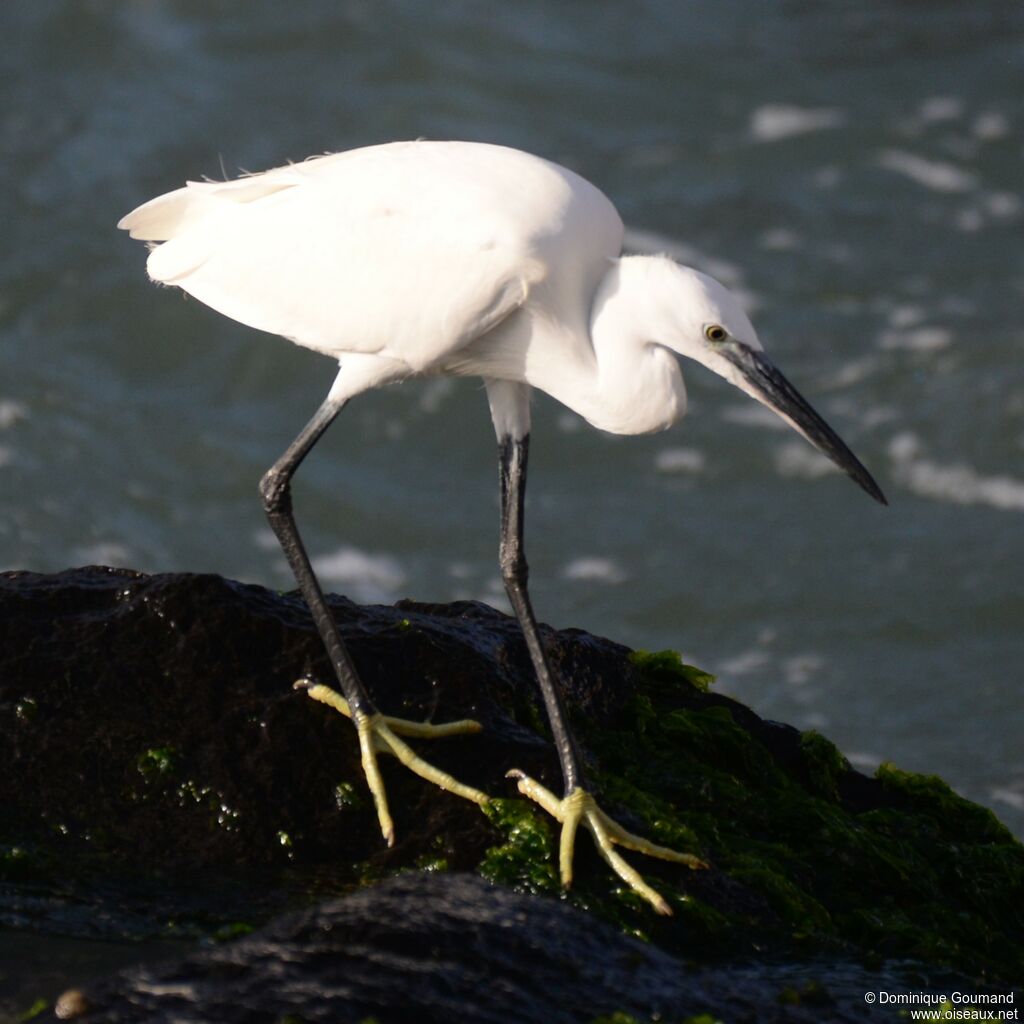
[
  {"x": 579, "y": 807},
  {"x": 379, "y": 734}
]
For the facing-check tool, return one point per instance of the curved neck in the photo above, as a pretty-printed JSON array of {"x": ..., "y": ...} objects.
[{"x": 639, "y": 388}]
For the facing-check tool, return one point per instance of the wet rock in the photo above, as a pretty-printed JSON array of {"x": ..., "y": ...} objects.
[
  {"x": 432, "y": 949},
  {"x": 161, "y": 777},
  {"x": 152, "y": 718}
]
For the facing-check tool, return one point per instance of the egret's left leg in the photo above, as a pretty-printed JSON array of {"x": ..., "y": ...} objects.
[
  {"x": 578, "y": 806},
  {"x": 376, "y": 733}
]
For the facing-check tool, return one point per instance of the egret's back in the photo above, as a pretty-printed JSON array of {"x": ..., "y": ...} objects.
[{"x": 407, "y": 250}]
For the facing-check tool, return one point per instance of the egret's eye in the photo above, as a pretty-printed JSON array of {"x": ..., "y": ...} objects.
[{"x": 715, "y": 332}]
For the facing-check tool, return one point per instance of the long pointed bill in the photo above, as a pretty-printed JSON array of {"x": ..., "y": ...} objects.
[{"x": 767, "y": 384}]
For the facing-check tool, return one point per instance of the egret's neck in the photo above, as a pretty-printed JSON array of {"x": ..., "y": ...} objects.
[{"x": 638, "y": 388}]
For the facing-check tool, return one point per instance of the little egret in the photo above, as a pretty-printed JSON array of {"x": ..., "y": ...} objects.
[{"x": 462, "y": 259}]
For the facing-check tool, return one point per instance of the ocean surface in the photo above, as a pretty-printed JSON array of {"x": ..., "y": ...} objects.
[{"x": 854, "y": 171}]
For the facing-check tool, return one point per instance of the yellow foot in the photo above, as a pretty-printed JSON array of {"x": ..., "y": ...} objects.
[
  {"x": 580, "y": 807},
  {"x": 379, "y": 734}
]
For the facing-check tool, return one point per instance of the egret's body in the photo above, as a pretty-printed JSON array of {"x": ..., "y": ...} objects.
[{"x": 463, "y": 259}]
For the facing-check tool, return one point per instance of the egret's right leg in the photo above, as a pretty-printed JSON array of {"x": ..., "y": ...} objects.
[
  {"x": 377, "y": 734},
  {"x": 577, "y": 807}
]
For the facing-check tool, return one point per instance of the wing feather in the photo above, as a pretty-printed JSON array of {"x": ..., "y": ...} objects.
[{"x": 408, "y": 250}]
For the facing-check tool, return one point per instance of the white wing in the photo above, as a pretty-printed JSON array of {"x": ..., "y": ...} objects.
[{"x": 407, "y": 250}]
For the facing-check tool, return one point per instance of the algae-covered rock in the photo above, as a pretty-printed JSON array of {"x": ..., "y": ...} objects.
[{"x": 149, "y": 734}]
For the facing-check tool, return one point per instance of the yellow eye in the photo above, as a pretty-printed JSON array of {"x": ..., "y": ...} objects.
[{"x": 715, "y": 332}]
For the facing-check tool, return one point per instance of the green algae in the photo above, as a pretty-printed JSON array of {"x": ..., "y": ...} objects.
[
  {"x": 347, "y": 797},
  {"x": 37, "y": 1009},
  {"x": 667, "y": 669},
  {"x": 925, "y": 792},
  {"x": 233, "y": 930},
  {"x": 526, "y": 859},
  {"x": 158, "y": 763},
  {"x": 26, "y": 709},
  {"x": 436, "y": 859},
  {"x": 916, "y": 871},
  {"x": 433, "y": 865},
  {"x": 16, "y": 863},
  {"x": 825, "y": 766}
]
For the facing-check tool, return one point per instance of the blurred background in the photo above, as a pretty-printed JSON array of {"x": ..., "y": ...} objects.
[{"x": 854, "y": 171}]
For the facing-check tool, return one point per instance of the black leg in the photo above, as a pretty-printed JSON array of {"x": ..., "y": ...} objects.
[
  {"x": 515, "y": 572},
  {"x": 577, "y": 806},
  {"x": 377, "y": 734},
  {"x": 275, "y": 489}
]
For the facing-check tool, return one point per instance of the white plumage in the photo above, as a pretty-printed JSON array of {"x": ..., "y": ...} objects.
[
  {"x": 445, "y": 257},
  {"x": 463, "y": 259}
]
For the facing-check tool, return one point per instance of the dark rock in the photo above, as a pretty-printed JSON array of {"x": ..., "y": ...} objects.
[
  {"x": 153, "y": 717},
  {"x": 161, "y": 777},
  {"x": 432, "y": 949}
]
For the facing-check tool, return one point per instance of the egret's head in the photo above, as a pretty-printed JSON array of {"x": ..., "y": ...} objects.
[{"x": 699, "y": 318}]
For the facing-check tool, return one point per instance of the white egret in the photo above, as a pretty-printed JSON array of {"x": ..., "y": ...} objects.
[{"x": 452, "y": 258}]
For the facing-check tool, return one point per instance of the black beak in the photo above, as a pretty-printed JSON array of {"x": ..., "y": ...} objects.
[{"x": 778, "y": 394}]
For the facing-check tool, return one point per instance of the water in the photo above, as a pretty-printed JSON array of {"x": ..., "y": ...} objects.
[{"x": 854, "y": 170}]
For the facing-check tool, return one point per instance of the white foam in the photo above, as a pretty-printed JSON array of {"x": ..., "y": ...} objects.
[
  {"x": 941, "y": 108},
  {"x": 970, "y": 219},
  {"x": 798, "y": 459},
  {"x": 920, "y": 339},
  {"x": 434, "y": 393},
  {"x": 850, "y": 373},
  {"x": 992, "y": 206},
  {"x": 990, "y": 126},
  {"x": 906, "y": 315},
  {"x": 878, "y": 415},
  {"x": 265, "y": 539},
  {"x": 776, "y": 121},
  {"x": 365, "y": 576},
  {"x": 1002, "y": 205},
  {"x": 933, "y": 174},
  {"x": 594, "y": 569},
  {"x": 956, "y": 483},
  {"x": 865, "y": 760},
  {"x": 779, "y": 240},
  {"x": 904, "y": 447},
  {"x": 495, "y": 595},
  {"x": 679, "y": 460},
  {"x": 754, "y": 416},
  {"x": 743, "y": 664},
  {"x": 11, "y": 411},
  {"x": 828, "y": 176},
  {"x": 1011, "y": 797},
  {"x": 104, "y": 552},
  {"x": 816, "y": 720},
  {"x": 800, "y": 668}
]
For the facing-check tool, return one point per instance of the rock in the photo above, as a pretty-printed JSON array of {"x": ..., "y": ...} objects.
[
  {"x": 432, "y": 949},
  {"x": 153, "y": 718},
  {"x": 161, "y": 777}
]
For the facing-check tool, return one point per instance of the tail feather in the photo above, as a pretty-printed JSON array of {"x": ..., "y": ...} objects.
[
  {"x": 169, "y": 215},
  {"x": 190, "y": 220}
]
